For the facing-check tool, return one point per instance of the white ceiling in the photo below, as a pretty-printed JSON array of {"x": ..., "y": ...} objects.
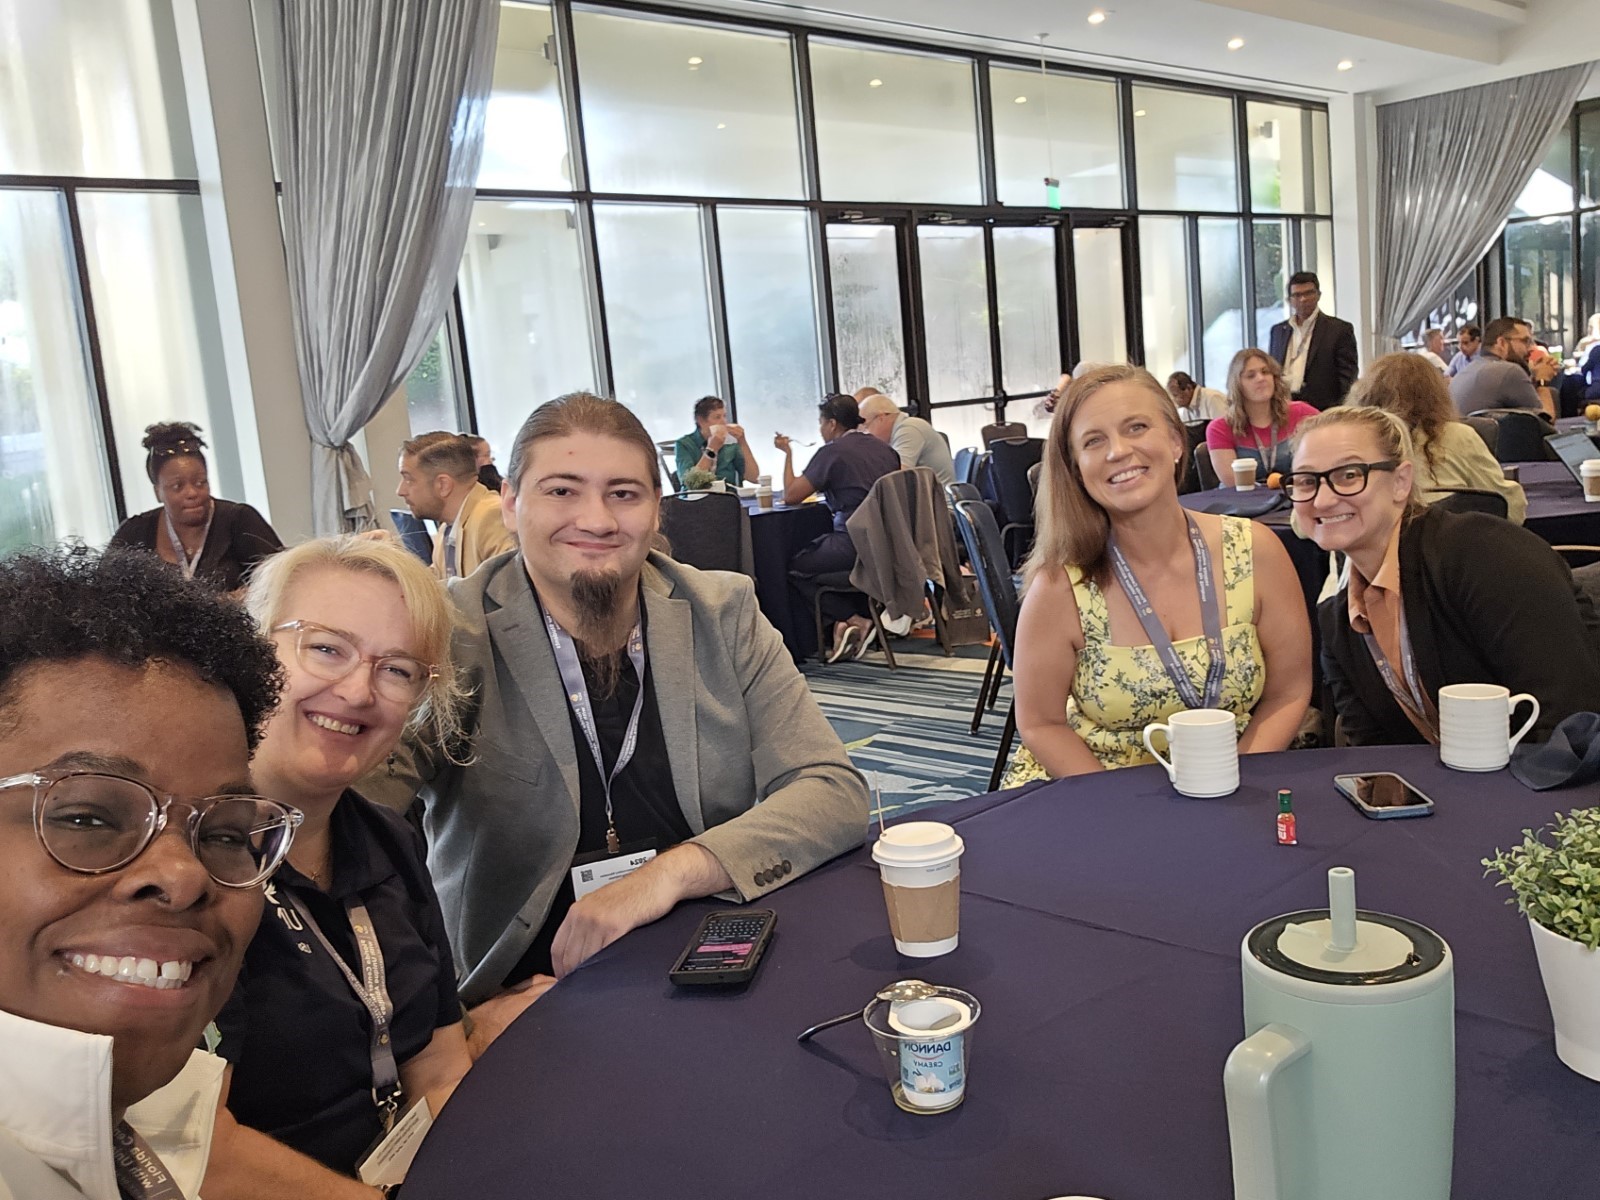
[{"x": 1398, "y": 47}]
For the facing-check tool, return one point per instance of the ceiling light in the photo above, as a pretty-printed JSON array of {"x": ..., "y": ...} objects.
[
  {"x": 1345, "y": 64},
  {"x": 722, "y": 124},
  {"x": 874, "y": 83},
  {"x": 1097, "y": 16},
  {"x": 1138, "y": 112},
  {"x": 696, "y": 61},
  {"x": 1235, "y": 43},
  {"x": 1020, "y": 100}
]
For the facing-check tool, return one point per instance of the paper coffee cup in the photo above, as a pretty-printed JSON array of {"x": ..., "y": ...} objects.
[
  {"x": 919, "y": 863},
  {"x": 1589, "y": 472},
  {"x": 1244, "y": 474}
]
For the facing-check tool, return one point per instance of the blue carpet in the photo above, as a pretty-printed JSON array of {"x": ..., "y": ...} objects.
[{"x": 907, "y": 729}]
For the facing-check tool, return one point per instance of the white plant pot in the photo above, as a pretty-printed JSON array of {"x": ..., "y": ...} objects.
[{"x": 1572, "y": 984}]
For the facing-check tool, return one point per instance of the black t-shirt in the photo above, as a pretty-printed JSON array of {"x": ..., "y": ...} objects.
[
  {"x": 297, "y": 1036},
  {"x": 239, "y": 539},
  {"x": 644, "y": 802},
  {"x": 845, "y": 469}
]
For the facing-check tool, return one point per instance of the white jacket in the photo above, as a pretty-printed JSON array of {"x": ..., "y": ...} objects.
[{"x": 55, "y": 1115}]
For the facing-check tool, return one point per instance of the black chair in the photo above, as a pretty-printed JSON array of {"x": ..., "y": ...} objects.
[
  {"x": 966, "y": 463},
  {"x": 1195, "y": 432},
  {"x": 1468, "y": 500},
  {"x": 1520, "y": 435},
  {"x": 667, "y": 452},
  {"x": 986, "y": 549},
  {"x": 1010, "y": 459},
  {"x": 708, "y": 530},
  {"x": 993, "y": 433},
  {"x": 1203, "y": 470},
  {"x": 958, "y": 491},
  {"x": 1489, "y": 430},
  {"x": 414, "y": 533}
]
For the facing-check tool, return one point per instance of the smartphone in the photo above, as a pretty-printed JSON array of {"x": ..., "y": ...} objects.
[
  {"x": 1384, "y": 794},
  {"x": 726, "y": 949}
]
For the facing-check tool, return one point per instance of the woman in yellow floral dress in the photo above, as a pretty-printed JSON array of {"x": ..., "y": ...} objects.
[{"x": 1116, "y": 630}]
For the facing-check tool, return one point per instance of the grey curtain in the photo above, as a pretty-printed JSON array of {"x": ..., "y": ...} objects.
[
  {"x": 1449, "y": 169},
  {"x": 380, "y": 131}
]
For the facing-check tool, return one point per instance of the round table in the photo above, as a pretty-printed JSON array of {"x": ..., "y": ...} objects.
[{"x": 1101, "y": 922}]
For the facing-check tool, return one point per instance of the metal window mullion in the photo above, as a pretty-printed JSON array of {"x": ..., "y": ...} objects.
[
  {"x": 605, "y": 381},
  {"x": 1241, "y": 154},
  {"x": 991, "y": 282},
  {"x": 89, "y": 334},
  {"x": 1130, "y": 171},
  {"x": 1247, "y": 264},
  {"x": 822, "y": 289},
  {"x": 1191, "y": 252},
  {"x": 988, "y": 172},
  {"x": 1132, "y": 291},
  {"x": 909, "y": 261},
  {"x": 460, "y": 368},
  {"x": 572, "y": 101},
  {"x": 717, "y": 302},
  {"x": 1067, "y": 294}
]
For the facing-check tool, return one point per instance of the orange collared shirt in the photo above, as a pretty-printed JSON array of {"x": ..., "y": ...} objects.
[{"x": 1375, "y": 608}]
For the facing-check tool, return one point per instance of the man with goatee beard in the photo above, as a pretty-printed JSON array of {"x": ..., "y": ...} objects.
[{"x": 639, "y": 736}]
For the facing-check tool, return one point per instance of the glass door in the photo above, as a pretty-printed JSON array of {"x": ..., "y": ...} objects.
[{"x": 869, "y": 334}]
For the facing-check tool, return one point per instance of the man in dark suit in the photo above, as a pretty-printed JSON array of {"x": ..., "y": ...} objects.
[{"x": 1318, "y": 352}]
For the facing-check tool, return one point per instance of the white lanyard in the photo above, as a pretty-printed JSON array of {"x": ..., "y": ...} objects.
[{"x": 186, "y": 564}]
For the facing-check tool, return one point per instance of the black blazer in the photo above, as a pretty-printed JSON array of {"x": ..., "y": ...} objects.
[
  {"x": 240, "y": 538},
  {"x": 1486, "y": 601},
  {"x": 1331, "y": 363}
]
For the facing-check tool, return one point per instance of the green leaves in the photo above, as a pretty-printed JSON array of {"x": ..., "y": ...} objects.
[{"x": 1556, "y": 882}]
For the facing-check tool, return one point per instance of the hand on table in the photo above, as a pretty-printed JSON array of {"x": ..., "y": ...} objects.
[{"x": 494, "y": 1016}]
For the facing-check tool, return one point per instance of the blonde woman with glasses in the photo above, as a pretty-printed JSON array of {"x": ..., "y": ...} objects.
[{"x": 346, "y": 1011}]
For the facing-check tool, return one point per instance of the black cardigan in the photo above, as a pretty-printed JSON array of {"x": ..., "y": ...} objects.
[
  {"x": 1486, "y": 601},
  {"x": 240, "y": 538}
]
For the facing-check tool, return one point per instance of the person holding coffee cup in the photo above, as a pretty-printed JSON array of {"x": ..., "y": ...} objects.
[
  {"x": 1260, "y": 420},
  {"x": 1134, "y": 609},
  {"x": 1435, "y": 597}
]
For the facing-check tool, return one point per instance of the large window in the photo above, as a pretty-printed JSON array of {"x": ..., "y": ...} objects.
[
  {"x": 524, "y": 127},
  {"x": 1184, "y": 144},
  {"x": 869, "y": 325},
  {"x": 1164, "y": 260},
  {"x": 1288, "y": 158},
  {"x": 1058, "y": 127},
  {"x": 955, "y": 312}
]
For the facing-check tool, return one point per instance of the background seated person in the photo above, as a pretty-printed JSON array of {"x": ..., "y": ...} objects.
[
  {"x": 1089, "y": 675},
  {"x": 1476, "y": 599},
  {"x": 483, "y": 455},
  {"x": 1498, "y": 377},
  {"x": 439, "y": 482},
  {"x": 1447, "y": 453},
  {"x": 215, "y": 541},
  {"x": 843, "y": 470},
  {"x": 1196, "y": 403},
  {"x": 715, "y": 446},
  {"x": 125, "y": 686},
  {"x": 1261, "y": 418},
  {"x": 917, "y": 443},
  {"x": 363, "y": 632},
  {"x": 736, "y": 781}
]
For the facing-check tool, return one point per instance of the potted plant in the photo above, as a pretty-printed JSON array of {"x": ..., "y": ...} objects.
[
  {"x": 1555, "y": 883},
  {"x": 698, "y": 479}
]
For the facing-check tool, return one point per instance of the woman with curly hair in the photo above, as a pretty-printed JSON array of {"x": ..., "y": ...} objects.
[
  {"x": 1447, "y": 453},
  {"x": 135, "y": 852},
  {"x": 216, "y": 541}
]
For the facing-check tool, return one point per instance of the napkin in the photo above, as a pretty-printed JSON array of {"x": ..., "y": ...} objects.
[{"x": 1571, "y": 757}]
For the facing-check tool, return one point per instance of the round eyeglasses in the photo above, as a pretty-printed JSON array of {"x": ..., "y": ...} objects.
[
  {"x": 93, "y": 823},
  {"x": 1347, "y": 480},
  {"x": 332, "y": 655}
]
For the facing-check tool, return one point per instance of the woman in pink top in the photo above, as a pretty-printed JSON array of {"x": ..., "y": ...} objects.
[{"x": 1260, "y": 419}]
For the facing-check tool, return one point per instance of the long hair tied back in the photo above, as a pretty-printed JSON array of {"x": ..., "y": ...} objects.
[{"x": 171, "y": 439}]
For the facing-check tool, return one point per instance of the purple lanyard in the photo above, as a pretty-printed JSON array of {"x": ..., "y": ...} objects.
[
  {"x": 1210, "y": 615},
  {"x": 1410, "y": 694}
]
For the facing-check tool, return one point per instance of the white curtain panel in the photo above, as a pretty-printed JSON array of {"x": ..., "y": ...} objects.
[
  {"x": 381, "y": 107},
  {"x": 1449, "y": 169}
]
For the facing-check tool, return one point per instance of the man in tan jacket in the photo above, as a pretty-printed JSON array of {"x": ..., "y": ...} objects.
[{"x": 439, "y": 482}]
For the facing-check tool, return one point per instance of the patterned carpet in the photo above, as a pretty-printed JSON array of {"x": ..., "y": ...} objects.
[{"x": 907, "y": 729}]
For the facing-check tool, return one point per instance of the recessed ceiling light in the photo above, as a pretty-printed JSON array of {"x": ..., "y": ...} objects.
[
  {"x": 1345, "y": 64},
  {"x": 874, "y": 83},
  {"x": 1020, "y": 100},
  {"x": 1097, "y": 16},
  {"x": 1235, "y": 43},
  {"x": 1138, "y": 112},
  {"x": 722, "y": 124},
  {"x": 696, "y": 61}
]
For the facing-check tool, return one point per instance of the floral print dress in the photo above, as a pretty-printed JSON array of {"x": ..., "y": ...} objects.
[{"x": 1118, "y": 690}]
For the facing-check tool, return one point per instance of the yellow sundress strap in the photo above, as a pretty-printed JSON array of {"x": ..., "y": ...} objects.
[
  {"x": 1238, "y": 570},
  {"x": 1093, "y": 616}
]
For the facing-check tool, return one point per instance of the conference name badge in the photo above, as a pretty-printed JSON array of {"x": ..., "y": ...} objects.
[
  {"x": 391, "y": 1157},
  {"x": 592, "y": 872}
]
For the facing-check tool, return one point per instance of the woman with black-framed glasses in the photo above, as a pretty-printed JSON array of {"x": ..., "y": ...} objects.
[
  {"x": 134, "y": 851},
  {"x": 1434, "y": 597},
  {"x": 346, "y": 1013}
]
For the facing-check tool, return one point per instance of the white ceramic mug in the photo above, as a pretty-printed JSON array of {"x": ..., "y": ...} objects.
[
  {"x": 1203, "y": 745},
  {"x": 1475, "y": 724}
]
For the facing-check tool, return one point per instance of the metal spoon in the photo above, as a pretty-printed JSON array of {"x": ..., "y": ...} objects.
[{"x": 905, "y": 989}]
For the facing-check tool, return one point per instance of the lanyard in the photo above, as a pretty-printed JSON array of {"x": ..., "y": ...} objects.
[
  {"x": 1269, "y": 461},
  {"x": 140, "y": 1174},
  {"x": 1210, "y": 615},
  {"x": 372, "y": 989},
  {"x": 1410, "y": 694},
  {"x": 186, "y": 564},
  {"x": 572, "y": 679}
]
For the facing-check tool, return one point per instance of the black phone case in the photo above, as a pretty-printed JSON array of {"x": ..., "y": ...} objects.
[{"x": 756, "y": 927}]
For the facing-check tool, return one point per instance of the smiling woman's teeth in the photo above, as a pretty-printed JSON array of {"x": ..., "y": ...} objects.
[
  {"x": 1334, "y": 519},
  {"x": 146, "y": 972},
  {"x": 337, "y": 726}
]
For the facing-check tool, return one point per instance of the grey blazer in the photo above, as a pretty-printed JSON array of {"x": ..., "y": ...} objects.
[{"x": 763, "y": 780}]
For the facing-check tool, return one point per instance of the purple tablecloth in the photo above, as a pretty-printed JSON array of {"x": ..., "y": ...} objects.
[
  {"x": 775, "y": 534},
  {"x": 1557, "y": 511},
  {"x": 1101, "y": 922}
]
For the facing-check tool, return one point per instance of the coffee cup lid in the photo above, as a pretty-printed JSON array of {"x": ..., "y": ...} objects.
[{"x": 917, "y": 843}]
